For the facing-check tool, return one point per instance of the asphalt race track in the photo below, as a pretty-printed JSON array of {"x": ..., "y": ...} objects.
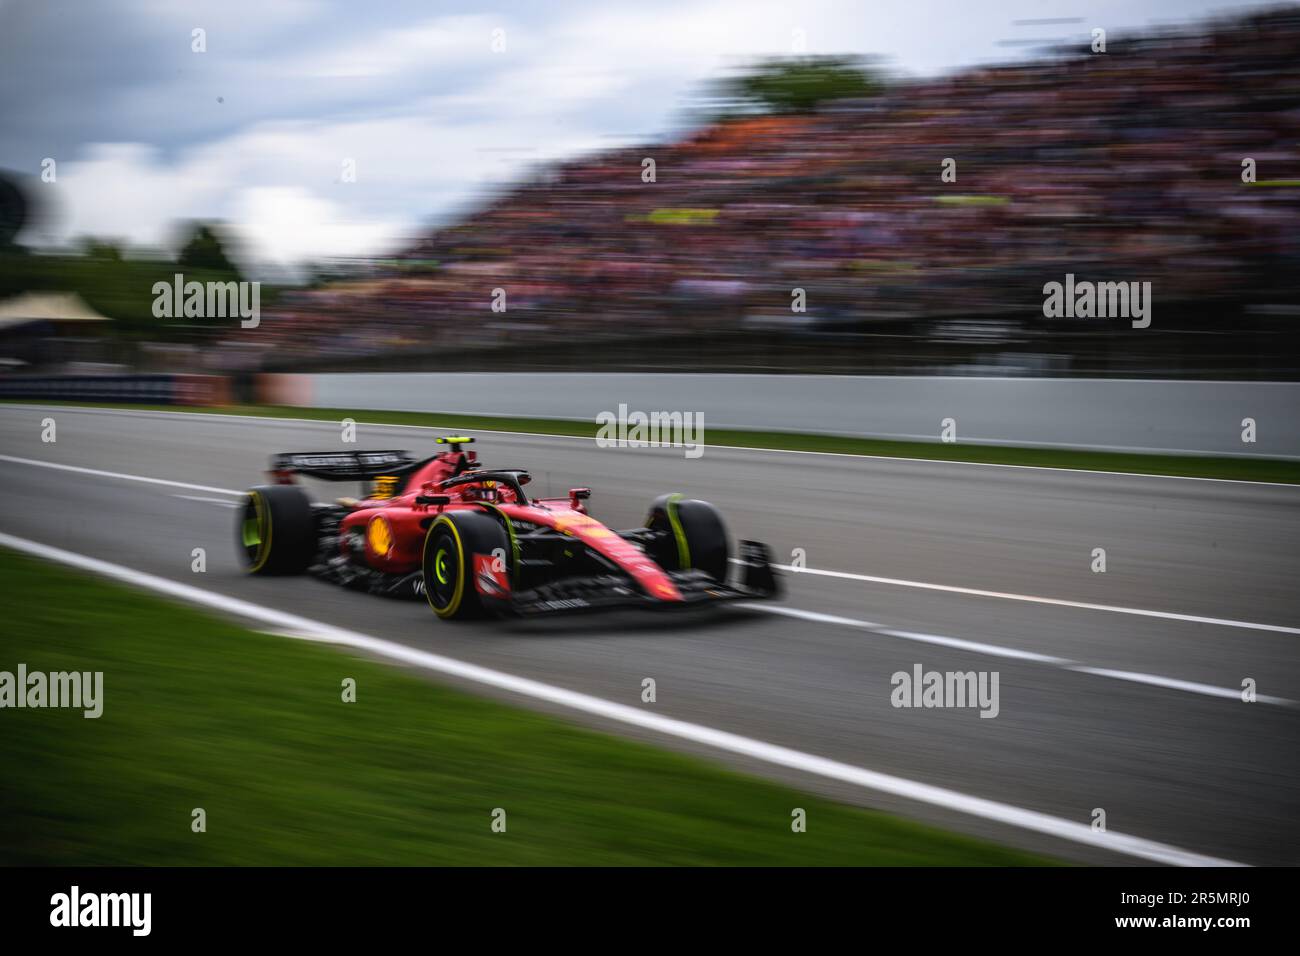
[{"x": 1101, "y": 706}]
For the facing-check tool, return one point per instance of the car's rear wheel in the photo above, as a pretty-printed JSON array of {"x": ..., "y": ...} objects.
[
  {"x": 276, "y": 530},
  {"x": 695, "y": 536},
  {"x": 466, "y": 553}
]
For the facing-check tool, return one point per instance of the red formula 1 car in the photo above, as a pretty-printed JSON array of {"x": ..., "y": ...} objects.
[{"x": 470, "y": 540}]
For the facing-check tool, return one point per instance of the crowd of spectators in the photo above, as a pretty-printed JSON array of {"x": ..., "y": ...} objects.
[{"x": 1122, "y": 165}]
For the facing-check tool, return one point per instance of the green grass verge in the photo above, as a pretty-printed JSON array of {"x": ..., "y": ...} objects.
[
  {"x": 199, "y": 712},
  {"x": 1192, "y": 466}
]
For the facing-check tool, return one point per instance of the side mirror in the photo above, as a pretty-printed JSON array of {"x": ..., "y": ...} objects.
[{"x": 432, "y": 500}]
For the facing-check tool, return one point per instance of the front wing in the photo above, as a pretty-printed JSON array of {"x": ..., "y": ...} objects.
[{"x": 601, "y": 592}]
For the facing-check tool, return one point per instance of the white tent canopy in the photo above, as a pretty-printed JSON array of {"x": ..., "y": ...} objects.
[{"x": 46, "y": 307}]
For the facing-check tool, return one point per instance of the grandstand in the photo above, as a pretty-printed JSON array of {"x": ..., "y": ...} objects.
[{"x": 1118, "y": 166}]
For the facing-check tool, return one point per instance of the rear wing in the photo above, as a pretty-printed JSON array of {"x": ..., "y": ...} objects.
[{"x": 343, "y": 465}]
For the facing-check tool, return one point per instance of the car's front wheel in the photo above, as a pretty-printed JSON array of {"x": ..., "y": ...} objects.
[
  {"x": 466, "y": 565},
  {"x": 694, "y": 536}
]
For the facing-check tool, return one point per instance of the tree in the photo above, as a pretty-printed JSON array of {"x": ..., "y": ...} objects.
[
  {"x": 13, "y": 209},
  {"x": 796, "y": 84},
  {"x": 205, "y": 250}
]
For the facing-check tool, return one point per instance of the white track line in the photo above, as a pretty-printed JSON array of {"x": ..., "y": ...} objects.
[
  {"x": 973, "y": 646},
  {"x": 1035, "y": 599},
  {"x": 1033, "y": 820},
  {"x": 816, "y": 616},
  {"x": 998, "y": 650},
  {"x": 268, "y": 419},
  {"x": 995, "y": 650},
  {"x": 117, "y": 474},
  {"x": 1191, "y": 686},
  {"x": 211, "y": 501}
]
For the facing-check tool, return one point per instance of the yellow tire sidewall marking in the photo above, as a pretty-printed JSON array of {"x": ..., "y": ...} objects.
[
  {"x": 263, "y": 514},
  {"x": 458, "y": 595}
]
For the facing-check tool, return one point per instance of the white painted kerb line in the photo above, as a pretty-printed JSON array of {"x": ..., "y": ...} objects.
[{"x": 719, "y": 739}]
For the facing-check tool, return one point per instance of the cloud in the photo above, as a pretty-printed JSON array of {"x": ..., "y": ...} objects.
[
  {"x": 123, "y": 190},
  {"x": 438, "y": 44},
  {"x": 282, "y": 184},
  {"x": 289, "y": 225}
]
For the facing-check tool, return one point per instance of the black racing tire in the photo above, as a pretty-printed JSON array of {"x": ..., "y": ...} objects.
[
  {"x": 454, "y": 538},
  {"x": 276, "y": 530},
  {"x": 697, "y": 536}
]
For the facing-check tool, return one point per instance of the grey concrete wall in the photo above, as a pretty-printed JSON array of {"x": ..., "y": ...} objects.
[{"x": 1167, "y": 416}]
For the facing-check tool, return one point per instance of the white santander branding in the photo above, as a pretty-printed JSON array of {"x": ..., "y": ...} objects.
[{"x": 103, "y": 909}]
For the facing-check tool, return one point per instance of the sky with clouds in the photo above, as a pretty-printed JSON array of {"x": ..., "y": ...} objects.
[{"x": 146, "y": 132}]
